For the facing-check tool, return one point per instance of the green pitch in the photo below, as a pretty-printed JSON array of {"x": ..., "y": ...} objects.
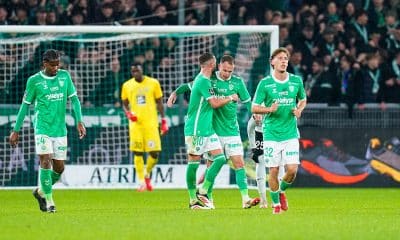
[{"x": 164, "y": 214}]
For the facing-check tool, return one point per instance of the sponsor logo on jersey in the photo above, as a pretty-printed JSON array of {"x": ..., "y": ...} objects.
[
  {"x": 283, "y": 93},
  {"x": 53, "y": 89},
  {"x": 211, "y": 91},
  {"x": 55, "y": 96},
  {"x": 285, "y": 101},
  {"x": 291, "y": 88}
]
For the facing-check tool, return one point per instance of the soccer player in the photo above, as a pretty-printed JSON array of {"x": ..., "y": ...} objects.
[
  {"x": 49, "y": 91},
  {"x": 225, "y": 123},
  {"x": 142, "y": 101},
  {"x": 200, "y": 135},
  {"x": 279, "y": 93},
  {"x": 255, "y": 135}
]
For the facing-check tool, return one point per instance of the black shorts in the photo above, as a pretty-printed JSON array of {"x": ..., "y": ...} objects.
[{"x": 258, "y": 150}]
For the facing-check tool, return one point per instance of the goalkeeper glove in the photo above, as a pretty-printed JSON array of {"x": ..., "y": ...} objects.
[
  {"x": 164, "y": 126},
  {"x": 131, "y": 116}
]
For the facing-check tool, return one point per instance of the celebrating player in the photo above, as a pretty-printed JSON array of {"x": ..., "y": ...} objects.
[
  {"x": 279, "y": 93},
  {"x": 49, "y": 90},
  {"x": 142, "y": 101},
  {"x": 225, "y": 121}
]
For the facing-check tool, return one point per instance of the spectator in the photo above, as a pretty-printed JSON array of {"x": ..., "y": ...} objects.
[
  {"x": 109, "y": 89},
  {"x": 295, "y": 65},
  {"x": 367, "y": 81},
  {"x": 105, "y": 15},
  {"x": 3, "y": 15},
  {"x": 321, "y": 86},
  {"x": 345, "y": 75},
  {"x": 358, "y": 32},
  {"x": 306, "y": 43}
]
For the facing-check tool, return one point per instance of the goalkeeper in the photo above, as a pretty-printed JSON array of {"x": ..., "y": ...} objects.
[
  {"x": 49, "y": 91},
  {"x": 142, "y": 101},
  {"x": 225, "y": 121}
]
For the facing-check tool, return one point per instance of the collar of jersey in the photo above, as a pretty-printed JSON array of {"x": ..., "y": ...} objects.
[
  {"x": 47, "y": 77},
  {"x": 219, "y": 78},
  {"x": 279, "y": 81}
]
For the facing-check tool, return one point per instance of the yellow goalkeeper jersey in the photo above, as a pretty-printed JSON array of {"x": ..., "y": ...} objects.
[{"x": 142, "y": 99}]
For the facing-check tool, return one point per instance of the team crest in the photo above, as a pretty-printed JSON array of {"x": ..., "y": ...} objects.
[
  {"x": 291, "y": 88},
  {"x": 61, "y": 83}
]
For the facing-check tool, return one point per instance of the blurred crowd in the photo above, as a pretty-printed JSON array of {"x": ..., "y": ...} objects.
[{"x": 346, "y": 51}]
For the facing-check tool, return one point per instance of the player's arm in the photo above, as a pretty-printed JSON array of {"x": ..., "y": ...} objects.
[
  {"x": 125, "y": 103},
  {"x": 76, "y": 106},
  {"x": 244, "y": 95},
  {"x": 300, "y": 107},
  {"x": 181, "y": 89},
  {"x": 259, "y": 98},
  {"x": 301, "y": 94},
  {"x": 158, "y": 94},
  {"x": 28, "y": 98},
  {"x": 160, "y": 107},
  {"x": 14, "y": 136},
  {"x": 219, "y": 102}
]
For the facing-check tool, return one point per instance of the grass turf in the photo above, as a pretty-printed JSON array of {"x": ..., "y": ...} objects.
[{"x": 164, "y": 214}]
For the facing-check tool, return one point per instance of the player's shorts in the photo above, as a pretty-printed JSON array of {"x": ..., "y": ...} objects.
[
  {"x": 55, "y": 146},
  {"x": 144, "y": 139},
  {"x": 281, "y": 153},
  {"x": 232, "y": 146},
  {"x": 197, "y": 145},
  {"x": 258, "y": 152}
]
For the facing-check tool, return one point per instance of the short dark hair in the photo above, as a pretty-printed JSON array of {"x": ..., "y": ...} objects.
[
  {"x": 205, "y": 57},
  {"x": 227, "y": 58},
  {"x": 51, "y": 55}
]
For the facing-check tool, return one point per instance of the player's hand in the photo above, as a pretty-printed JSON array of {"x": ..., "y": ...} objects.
[
  {"x": 273, "y": 107},
  {"x": 81, "y": 130},
  {"x": 296, "y": 112},
  {"x": 171, "y": 99},
  {"x": 14, "y": 136},
  {"x": 164, "y": 126},
  {"x": 257, "y": 119},
  {"x": 131, "y": 116},
  {"x": 234, "y": 97}
]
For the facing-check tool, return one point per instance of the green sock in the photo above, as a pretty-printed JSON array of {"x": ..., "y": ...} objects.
[
  {"x": 55, "y": 176},
  {"x": 218, "y": 161},
  {"x": 45, "y": 183},
  {"x": 210, "y": 191},
  {"x": 241, "y": 181},
  {"x": 191, "y": 179},
  {"x": 275, "y": 197},
  {"x": 284, "y": 185}
]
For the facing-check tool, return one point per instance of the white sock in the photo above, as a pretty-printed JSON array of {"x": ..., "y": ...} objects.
[{"x": 260, "y": 178}]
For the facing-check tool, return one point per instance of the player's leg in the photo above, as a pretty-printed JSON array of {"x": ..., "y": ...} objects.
[
  {"x": 213, "y": 147},
  {"x": 44, "y": 149},
  {"x": 273, "y": 158},
  {"x": 153, "y": 147},
  {"x": 136, "y": 145},
  {"x": 291, "y": 158},
  {"x": 260, "y": 178},
  {"x": 59, "y": 156},
  {"x": 194, "y": 150}
]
